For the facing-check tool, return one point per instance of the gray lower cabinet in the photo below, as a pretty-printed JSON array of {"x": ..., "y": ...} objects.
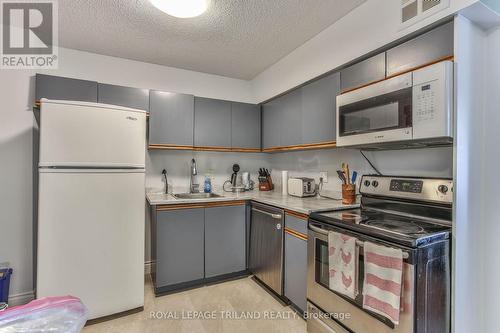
[
  {"x": 171, "y": 119},
  {"x": 245, "y": 126},
  {"x": 295, "y": 286},
  {"x": 225, "y": 240},
  {"x": 364, "y": 72},
  {"x": 422, "y": 50},
  {"x": 319, "y": 100},
  {"x": 179, "y": 246},
  {"x": 135, "y": 98},
  {"x": 63, "y": 88},
  {"x": 212, "y": 123}
]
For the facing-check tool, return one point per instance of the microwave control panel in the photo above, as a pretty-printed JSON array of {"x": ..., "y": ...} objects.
[
  {"x": 433, "y": 101},
  {"x": 425, "y": 102}
]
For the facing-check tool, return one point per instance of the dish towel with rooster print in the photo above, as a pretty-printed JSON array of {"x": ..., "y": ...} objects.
[
  {"x": 342, "y": 264},
  {"x": 383, "y": 280}
]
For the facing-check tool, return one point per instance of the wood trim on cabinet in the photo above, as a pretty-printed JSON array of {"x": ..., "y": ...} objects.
[
  {"x": 195, "y": 148},
  {"x": 210, "y": 148},
  {"x": 200, "y": 205},
  {"x": 297, "y": 215},
  {"x": 296, "y": 234},
  {"x": 170, "y": 147},
  {"x": 447, "y": 58},
  {"x": 246, "y": 150},
  {"x": 321, "y": 145}
]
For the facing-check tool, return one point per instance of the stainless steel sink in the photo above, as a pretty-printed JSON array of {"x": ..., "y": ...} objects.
[{"x": 196, "y": 195}]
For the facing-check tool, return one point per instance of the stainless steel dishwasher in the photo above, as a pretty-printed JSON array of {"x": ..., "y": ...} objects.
[{"x": 266, "y": 246}]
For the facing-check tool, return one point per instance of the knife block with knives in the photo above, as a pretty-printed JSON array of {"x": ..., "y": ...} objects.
[{"x": 265, "y": 180}]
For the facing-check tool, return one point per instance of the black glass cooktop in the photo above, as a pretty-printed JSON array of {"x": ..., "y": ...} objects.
[{"x": 392, "y": 227}]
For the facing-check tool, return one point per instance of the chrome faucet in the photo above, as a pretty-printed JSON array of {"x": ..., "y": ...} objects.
[{"x": 193, "y": 185}]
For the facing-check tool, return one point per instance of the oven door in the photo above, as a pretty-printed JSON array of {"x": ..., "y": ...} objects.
[
  {"x": 348, "y": 312},
  {"x": 378, "y": 113}
]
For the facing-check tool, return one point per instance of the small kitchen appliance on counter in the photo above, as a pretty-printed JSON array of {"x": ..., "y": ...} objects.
[
  {"x": 239, "y": 182},
  {"x": 410, "y": 216},
  {"x": 301, "y": 187}
]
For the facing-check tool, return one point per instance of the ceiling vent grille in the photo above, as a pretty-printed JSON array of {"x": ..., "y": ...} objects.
[{"x": 413, "y": 11}]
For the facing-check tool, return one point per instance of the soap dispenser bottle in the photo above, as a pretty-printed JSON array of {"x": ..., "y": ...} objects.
[{"x": 207, "y": 188}]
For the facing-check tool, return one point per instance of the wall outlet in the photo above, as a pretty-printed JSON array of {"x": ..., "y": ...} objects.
[{"x": 324, "y": 175}]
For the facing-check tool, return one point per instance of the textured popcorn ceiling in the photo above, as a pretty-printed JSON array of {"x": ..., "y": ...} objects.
[{"x": 234, "y": 38}]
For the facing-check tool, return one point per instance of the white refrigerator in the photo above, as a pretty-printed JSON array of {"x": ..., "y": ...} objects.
[{"x": 91, "y": 205}]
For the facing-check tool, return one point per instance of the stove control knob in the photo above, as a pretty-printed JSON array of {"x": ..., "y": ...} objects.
[
  {"x": 443, "y": 189},
  {"x": 367, "y": 183},
  {"x": 375, "y": 183}
]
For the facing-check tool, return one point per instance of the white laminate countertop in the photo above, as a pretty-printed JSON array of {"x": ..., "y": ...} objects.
[{"x": 273, "y": 198}]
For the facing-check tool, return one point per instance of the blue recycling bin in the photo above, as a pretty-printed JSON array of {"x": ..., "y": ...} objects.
[{"x": 5, "y": 274}]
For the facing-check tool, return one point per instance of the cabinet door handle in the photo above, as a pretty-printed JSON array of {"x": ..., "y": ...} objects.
[
  {"x": 274, "y": 216},
  {"x": 278, "y": 226}
]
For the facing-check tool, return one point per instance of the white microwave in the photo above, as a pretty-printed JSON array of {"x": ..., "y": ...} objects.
[{"x": 410, "y": 110}]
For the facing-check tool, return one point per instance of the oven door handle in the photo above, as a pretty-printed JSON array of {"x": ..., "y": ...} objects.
[{"x": 359, "y": 243}]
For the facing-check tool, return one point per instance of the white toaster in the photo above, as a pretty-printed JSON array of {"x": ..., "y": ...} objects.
[{"x": 301, "y": 187}]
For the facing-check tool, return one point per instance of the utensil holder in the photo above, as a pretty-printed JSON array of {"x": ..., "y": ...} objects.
[{"x": 348, "y": 194}]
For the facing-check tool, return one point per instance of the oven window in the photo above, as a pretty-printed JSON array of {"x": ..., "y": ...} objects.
[
  {"x": 322, "y": 270},
  {"x": 386, "y": 112}
]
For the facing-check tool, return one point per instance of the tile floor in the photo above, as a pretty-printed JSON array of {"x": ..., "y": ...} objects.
[{"x": 231, "y": 300}]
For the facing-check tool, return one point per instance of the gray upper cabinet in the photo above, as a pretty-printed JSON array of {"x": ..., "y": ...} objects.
[
  {"x": 282, "y": 121},
  {"x": 179, "y": 246},
  {"x": 319, "y": 109},
  {"x": 245, "y": 125},
  {"x": 124, "y": 96},
  {"x": 63, "y": 88},
  {"x": 432, "y": 46},
  {"x": 171, "y": 120},
  {"x": 291, "y": 115},
  {"x": 212, "y": 123},
  {"x": 364, "y": 72},
  {"x": 271, "y": 124},
  {"x": 225, "y": 240}
]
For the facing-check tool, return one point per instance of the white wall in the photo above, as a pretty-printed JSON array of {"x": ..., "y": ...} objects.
[
  {"x": 367, "y": 28},
  {"x": 16, "y": 123},
  {"x": 470, "y": 181},
  {"x": 429, "y": 162},
  {"x": 490, "y": 184}
]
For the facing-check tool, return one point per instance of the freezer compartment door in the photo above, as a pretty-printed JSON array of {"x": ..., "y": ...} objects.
[
  {"x": 91, "y": 239},
  {"x": 91, "y": 135}
]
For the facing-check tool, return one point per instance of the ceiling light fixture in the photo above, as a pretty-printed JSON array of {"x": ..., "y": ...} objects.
[{"x": 181, "y": 8}]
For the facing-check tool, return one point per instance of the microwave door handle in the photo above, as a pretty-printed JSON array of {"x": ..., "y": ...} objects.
[{"x": 359, "y": 243}]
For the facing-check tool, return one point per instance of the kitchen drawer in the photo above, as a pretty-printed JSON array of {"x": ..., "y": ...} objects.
[{"x": 296, "y": 224}]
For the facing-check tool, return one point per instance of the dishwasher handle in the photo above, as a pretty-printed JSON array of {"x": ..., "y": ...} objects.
[{"x": 274, "y": 216}]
